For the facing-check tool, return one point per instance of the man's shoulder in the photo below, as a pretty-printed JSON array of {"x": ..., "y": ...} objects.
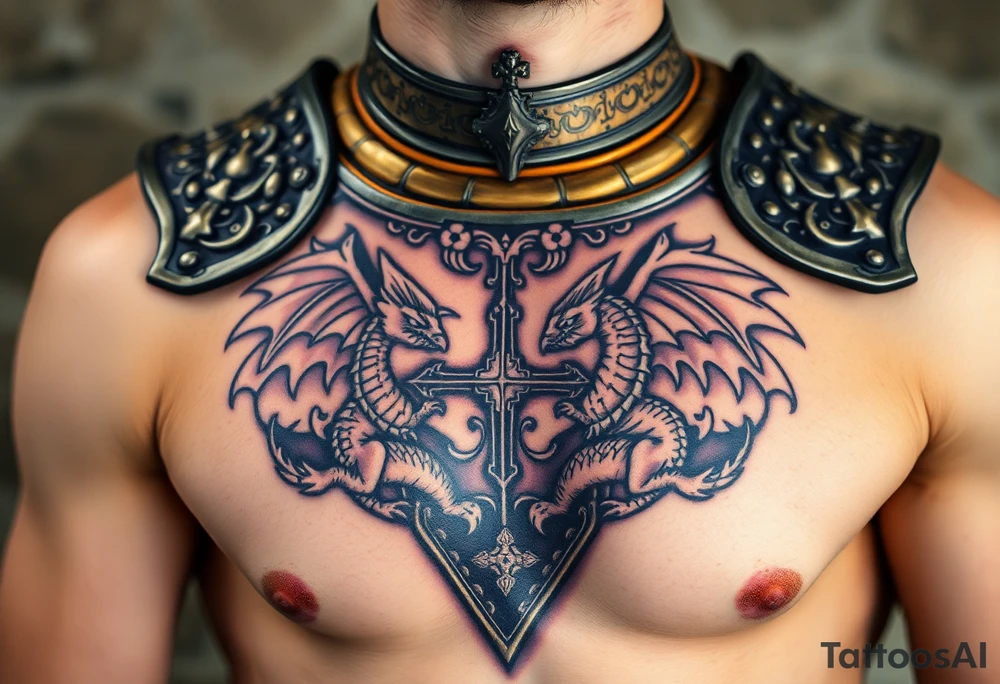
[
  {"x": 955, "y": 238},
  {"x": 100, "y": 245}
]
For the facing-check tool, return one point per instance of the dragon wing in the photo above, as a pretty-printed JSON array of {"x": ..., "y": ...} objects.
[
  {"x": 708, "y": 318},
  {"x": 311, "y": 314}
]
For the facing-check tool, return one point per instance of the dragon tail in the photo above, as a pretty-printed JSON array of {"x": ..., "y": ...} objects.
[
  {"x": 596, "y": 464},
  {"x": 410, "y": 466}
]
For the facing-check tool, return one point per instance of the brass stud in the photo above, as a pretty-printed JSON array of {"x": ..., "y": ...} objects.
[
  {"x": 777, "y": 103},
  {"x": 767, "y": 119},
  {"x": 273, "y": 185},
  {"x": 875, "y": 258},
  {"x": 183, "y": 149},
  {"x": 299, "y": 177},
  {"x": 192, "y": 190},
  {"x": 888, "y": 159},
  {"x": 183, "y": 165},
  {"x": 756, "y": 176},
  {"x": 283, "y": 212},
  {"x": 756, "y": 141},
  {"x": 874, "y": 186},
  {"x": 889, "y": 139},
  {"x": 188, "y": 260},
  {"x": 291, "y": 116},
  {"x": 786, "y": 183},
  {"x": 771, "y": 209},
  {"x": 299, "y": 140}
]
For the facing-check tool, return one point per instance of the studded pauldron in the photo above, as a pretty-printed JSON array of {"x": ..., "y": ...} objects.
[
  {"x": 235, "y": 197},
  {"x": 821, "y": 190}
]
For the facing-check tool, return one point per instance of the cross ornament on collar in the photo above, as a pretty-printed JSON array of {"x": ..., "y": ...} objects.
[{"x": 510, "y": 126}]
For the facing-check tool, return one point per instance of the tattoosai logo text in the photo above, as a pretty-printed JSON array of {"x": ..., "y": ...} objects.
[{"x": 878, "y": 657}]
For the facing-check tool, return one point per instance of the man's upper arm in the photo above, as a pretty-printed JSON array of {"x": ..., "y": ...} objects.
[
  {"x": 942, "y": 528},
  {"x": 100, "y": 545}
]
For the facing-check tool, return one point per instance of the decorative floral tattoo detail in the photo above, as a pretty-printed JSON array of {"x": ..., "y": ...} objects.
[{"x": 682, "y": 384}]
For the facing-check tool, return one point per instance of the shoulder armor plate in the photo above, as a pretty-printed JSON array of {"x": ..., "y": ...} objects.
[
  {"x": 824, "y": 191},
  {"x": 238, "y": 196}
]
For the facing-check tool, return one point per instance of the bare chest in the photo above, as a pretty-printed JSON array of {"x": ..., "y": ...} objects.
[{"x": 461, "y": 425}]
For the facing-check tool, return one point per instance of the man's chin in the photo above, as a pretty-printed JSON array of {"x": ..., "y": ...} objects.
[{"x": 519, "y": 3}]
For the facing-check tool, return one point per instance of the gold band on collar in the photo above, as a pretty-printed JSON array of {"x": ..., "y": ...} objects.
[{"x": 395, "y": 169}]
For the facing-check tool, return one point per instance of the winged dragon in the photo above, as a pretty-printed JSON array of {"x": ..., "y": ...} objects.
[
  {"x": 683, "y": 370},
  {"x": 333, "y": 310}
]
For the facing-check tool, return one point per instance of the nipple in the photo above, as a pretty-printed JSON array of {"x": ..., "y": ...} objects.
[
  {"x": 290, "y": 596},
  {"x": 767, "y": 592}
]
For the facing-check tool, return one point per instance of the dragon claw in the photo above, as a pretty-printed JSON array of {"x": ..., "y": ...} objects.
[
  {"x": 396, "y": 510},
  {"x": 468, "y": 511},
  {"x": 616, "y": 509},
  {"x": 540, "y": 512},
  {"x": 565, "y": 409},
  {"x": 434, "y": 407}
]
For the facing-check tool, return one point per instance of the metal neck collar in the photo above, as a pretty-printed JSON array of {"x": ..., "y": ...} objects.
[{"x": 514, "y": 127}]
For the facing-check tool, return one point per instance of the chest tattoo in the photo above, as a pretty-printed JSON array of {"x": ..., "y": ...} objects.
[{"x": 678, "y": 382}]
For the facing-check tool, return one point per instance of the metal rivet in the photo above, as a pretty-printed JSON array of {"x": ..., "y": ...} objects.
[
  {"x": 183, "y": 165},
  {"x": 756, "y": 141},
  {"x": 291, "y": 116},
  {"x": 192, "y": 190},
  {"x": 299, "y": 140},
  {"x": 777, "y": 103},
  {"x": 299, "y": 177},
  {"x": 874, "y": 186},
  {"x": 767, "y": 119},
  {"x": 189, "y": 260},
  {"x": 889, "y": 139},
  {"x": 875, "y": 258},
  {"x": 888, "y": 159},
  {"x": 786, "y": 183},
  {"x": 771, "y": 209},
  {"x": 183, "y": 149},
  {"x": 756, "y": 176},
  {"x": 284, "y": 211},
  {"x": 272, "y": 186}
]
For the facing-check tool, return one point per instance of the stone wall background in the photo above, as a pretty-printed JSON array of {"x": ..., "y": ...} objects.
[{"x": 84, "y": 82}]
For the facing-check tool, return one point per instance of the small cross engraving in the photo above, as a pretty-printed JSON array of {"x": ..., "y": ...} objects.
[
  {"x": 505, "y": 560},
  {"x": 511, "y": 67}
]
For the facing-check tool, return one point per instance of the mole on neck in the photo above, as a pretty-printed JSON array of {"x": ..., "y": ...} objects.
[{"x": 562, "y": 39}]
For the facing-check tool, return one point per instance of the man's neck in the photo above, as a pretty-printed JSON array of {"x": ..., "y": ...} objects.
[{"x": 562, "y": 40}]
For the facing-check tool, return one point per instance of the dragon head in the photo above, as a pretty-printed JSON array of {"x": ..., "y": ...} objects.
[
  {"x": 410, "y": 316},
  {"x": 575, "y": 318}
]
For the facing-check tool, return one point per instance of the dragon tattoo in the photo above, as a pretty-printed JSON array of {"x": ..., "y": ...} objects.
[
  {"x": 654, "y": 376},
  {"x": 690, "y": 298},
  {"x": 323, "y": 299}
]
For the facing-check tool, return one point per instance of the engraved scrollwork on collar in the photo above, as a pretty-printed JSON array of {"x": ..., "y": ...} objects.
[
  {"x": 594, "y": 113},
  {"x": 820, "y": 189},
  {"x": 238, "y": 195}
]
